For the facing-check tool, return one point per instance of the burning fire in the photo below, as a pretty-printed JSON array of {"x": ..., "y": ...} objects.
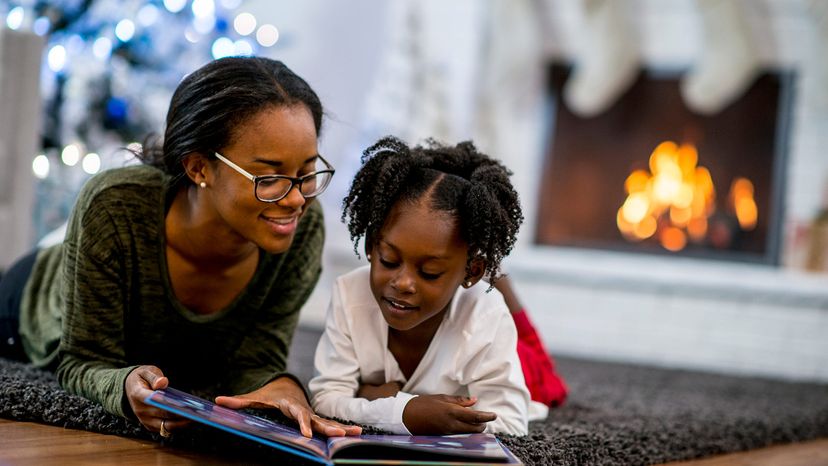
[{"x": 674, "y": 200}]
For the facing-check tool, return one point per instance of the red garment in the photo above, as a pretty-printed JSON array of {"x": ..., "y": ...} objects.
[{"x": 544, "y": 384}]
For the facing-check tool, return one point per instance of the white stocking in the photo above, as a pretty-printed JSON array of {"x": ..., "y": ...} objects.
[
  {"x": 729, "y": 61},
  {"x": 608, "y": 65}
]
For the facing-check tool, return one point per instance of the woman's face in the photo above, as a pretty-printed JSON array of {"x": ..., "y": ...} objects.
[
  {"x": 417, "y": 264},
  {"x": 276, "y": 141}
]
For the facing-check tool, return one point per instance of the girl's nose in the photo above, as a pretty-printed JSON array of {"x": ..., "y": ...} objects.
[{"x": 403, "y": 282}]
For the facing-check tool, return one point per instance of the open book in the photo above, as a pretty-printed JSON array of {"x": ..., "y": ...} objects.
[{"x": 469, "y": 449}]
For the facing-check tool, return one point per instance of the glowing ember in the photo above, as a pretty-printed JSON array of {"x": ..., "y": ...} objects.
[{"x": 673, "y": 201}]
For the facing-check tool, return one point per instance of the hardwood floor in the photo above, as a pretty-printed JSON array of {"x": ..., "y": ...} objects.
[
  {"x": 26, "y": 443},
  {"x": 813, "y": 453}
]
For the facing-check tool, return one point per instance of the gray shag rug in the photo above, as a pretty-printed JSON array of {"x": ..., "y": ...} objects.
[{"x": 615, "y": 414}]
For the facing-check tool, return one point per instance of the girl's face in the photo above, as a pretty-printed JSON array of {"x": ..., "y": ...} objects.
[
  {"x": 278, "y": 140},
  {"x": 417, "y": 263}
]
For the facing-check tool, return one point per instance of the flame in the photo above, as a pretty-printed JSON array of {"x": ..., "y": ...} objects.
[
  {"x": 741, "y": 197},
  {"x": 679, "y": 191}
]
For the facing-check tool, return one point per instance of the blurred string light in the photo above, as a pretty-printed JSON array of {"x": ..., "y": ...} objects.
[
  {"x": 56, "y": 58},
  {"x": 91, "y": 163},
  {"x": 70, "y": 155},
  {"x": 124, "y": 30},
  {"x": 267, "y": 35},
  {"x": 174, "y": 6},
  {"x": 244, "y": 24},
  {"x": 148, "y": 15},
  {"x": 40, "y": 166},
  {"x": 101, "y": 48},
  {"x": 15, "y": 18},
  {"x": 41, "y": 26}
]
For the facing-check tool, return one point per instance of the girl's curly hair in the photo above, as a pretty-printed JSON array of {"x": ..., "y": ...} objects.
[{"x": 460, "y": 180}]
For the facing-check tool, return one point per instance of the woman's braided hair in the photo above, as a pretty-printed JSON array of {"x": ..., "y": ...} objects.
[{"x": 470, "y": 185}]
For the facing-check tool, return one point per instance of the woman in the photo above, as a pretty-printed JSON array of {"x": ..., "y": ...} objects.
[{"x": 190, "y": 269}]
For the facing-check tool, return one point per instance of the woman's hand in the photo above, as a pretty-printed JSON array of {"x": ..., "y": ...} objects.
[
  {"x": 375, "y": 392},
  {"x": 138, "y": 385},
  {"x": 444, "y": 414},
  {"x": 286, "y": 396}
]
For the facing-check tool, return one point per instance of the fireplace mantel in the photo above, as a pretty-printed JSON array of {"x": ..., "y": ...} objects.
[{"x": 736, "y": 282}]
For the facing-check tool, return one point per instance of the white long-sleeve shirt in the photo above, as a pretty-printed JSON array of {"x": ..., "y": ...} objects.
[{"x": 473, "y": 353}]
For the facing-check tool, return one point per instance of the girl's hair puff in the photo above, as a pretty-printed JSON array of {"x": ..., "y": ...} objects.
[{"x": 458, "y": 179}]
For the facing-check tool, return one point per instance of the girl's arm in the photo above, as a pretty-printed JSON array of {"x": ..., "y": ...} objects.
[
  {"x": 496, "y": 380},
  {"x": 334, "y": 388}
]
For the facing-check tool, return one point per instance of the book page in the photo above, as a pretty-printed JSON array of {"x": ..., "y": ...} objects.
[{"x": 480, "y": 447}]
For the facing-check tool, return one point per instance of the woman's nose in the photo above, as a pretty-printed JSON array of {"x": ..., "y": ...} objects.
[{"x": 294, "y": 198}]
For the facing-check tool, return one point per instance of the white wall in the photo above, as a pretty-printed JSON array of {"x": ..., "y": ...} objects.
[{"x": 20, "y": 54}]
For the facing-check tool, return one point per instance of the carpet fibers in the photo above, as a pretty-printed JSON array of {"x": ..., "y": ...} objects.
[{"x": 616, "y": 413}]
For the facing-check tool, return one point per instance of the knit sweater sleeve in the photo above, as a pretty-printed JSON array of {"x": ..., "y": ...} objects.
[{"x": 92, "y": 355}]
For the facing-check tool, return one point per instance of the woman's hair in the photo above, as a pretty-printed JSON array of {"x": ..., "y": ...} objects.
[
  {"x": 471, "y": 186},
  {"x": 210, "y": 103}
]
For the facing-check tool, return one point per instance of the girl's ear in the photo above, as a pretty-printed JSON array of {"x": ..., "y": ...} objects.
[
  {"x": 476, "y": 271},
  {"x": 368, "y": 246},
  {"x": 196, "y": 167}
]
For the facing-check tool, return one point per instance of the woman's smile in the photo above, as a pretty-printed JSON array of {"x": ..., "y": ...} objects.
[{"x": 282, "y": 225}]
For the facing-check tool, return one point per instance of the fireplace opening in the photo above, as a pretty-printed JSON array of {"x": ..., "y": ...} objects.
[{"x": 648, "y": 175}]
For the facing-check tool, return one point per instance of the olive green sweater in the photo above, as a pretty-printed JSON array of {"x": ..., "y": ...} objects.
[{"x": 101, "y": 303}]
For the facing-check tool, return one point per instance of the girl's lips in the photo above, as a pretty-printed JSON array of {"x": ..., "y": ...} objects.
[{"x": 400, "y": 305}]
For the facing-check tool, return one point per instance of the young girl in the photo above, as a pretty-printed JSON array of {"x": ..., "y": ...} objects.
[{"x": 414, "y": 343}]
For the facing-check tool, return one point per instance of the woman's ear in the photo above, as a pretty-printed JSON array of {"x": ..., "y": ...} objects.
[
  {"x": 196, "y": 167},
  {"x": 476, "y": 271}
]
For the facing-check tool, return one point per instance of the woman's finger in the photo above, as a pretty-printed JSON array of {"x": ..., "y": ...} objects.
[
  {"x": 301, "y": 415},
  {"x": 241, "y": 402},
  {"x": 153, "y": 377},
  {"x": 333, "y": 428},
  {"x": 174, "y": 424}
]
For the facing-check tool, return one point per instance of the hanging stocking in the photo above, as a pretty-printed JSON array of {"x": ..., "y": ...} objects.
[
  {"x": 729, "y": 62},
  {"x": 608, "y": 64}
]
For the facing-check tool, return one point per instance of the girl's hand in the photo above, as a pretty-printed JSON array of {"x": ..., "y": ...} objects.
[
  {"x": 374, "y": 392},
  {"x": 284, "y": 395},
  {"x": 444, "y": 414},
  {"x": 138, "y": 385}
]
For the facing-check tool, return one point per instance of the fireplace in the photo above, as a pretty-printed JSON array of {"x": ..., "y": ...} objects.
[{"x": 650, "y": 176}]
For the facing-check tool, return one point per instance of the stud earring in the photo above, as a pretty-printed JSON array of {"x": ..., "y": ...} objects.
[
  {"x": 468, "y": 284},
  {"x": 203, "y": 184},
  {"x": 369, "y": 257}
]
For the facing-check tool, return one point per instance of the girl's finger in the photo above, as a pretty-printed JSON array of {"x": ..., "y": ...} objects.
[{"x": 471, "y": 416}]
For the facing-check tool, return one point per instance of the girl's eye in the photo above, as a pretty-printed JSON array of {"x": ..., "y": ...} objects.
[
  {"x": 386, "y": 264},
  {"x": 430, "y": 276}
]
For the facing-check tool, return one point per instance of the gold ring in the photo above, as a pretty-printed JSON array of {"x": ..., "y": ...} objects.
[{"x": 164, "y": 432}]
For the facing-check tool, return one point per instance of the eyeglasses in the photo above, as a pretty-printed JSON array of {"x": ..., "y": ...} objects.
[{"x": 274, "y": 188}]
